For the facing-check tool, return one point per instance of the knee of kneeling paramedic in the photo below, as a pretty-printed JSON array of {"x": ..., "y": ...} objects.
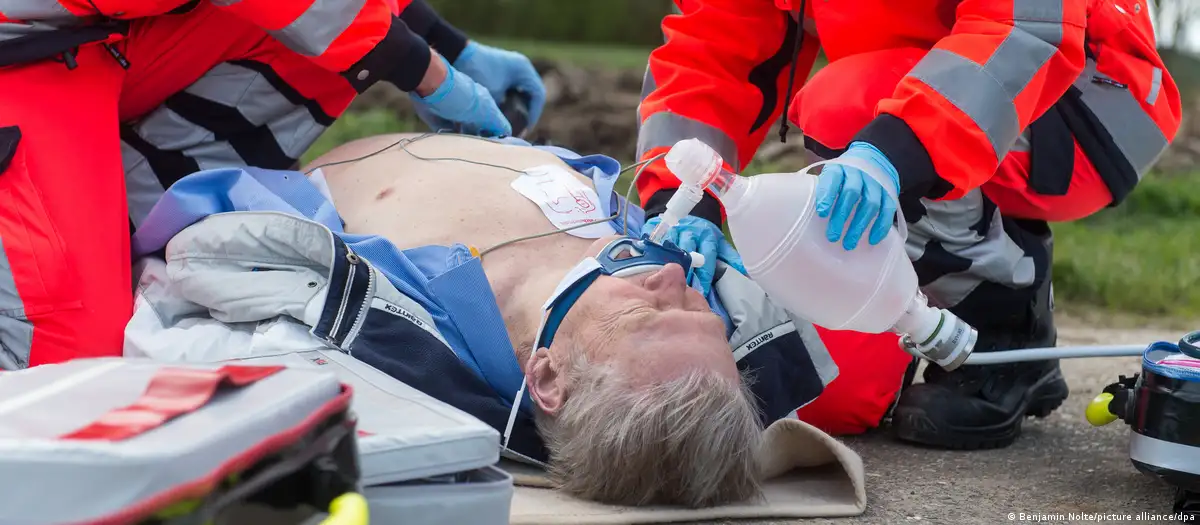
[{"x": 772, "y": 219}]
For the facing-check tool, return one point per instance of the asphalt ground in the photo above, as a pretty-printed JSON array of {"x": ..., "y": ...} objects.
[{"x": 1060, "y": 466}]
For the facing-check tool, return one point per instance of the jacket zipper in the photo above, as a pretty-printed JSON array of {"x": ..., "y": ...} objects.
[
  {"x": 337, "y": 321},
  {"x": 120, "y": 58}
]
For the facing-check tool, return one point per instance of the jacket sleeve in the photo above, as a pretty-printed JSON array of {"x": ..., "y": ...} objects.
[
  {"x": 720, "y": 77},
  {"x": 363, "y": 40},
  {"x": 960, "y": 110},
  {"x": 448, "y": 40}
]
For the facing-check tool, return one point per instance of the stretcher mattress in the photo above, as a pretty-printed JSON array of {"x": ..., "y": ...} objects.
[{"x": 423, "y": 461}]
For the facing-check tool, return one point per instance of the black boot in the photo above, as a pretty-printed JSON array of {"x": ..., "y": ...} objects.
[{"x": 983, "y": 406}]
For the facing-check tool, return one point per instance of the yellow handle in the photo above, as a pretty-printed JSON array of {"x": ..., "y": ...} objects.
[
  {"x": 348, "y": 509},
  {"x": 1097, "y": 411}
]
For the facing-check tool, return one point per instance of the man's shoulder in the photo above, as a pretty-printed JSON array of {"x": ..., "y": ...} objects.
[{"x": 789, "y": 362}]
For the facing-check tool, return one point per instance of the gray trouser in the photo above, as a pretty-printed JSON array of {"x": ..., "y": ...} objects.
[
  {"x": 239, "y": 113},
  {"x": 984, "y": 267}
]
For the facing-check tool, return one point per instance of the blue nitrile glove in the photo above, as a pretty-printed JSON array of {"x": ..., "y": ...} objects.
[
  {"x": 500, "y": 70},
  {"x": 462, "y": 101},
  {"x": 694, "y": 234},
  {"x": 852, "y": 189}
]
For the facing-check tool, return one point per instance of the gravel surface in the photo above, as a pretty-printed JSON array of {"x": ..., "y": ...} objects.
[{"x": 1060, "y": 465}]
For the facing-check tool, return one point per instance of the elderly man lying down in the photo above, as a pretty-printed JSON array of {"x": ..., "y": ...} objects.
[{"x": 636, "y": 389}]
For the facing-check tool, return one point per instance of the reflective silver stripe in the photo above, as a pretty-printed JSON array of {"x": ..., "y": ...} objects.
[
  {"x": 295, "y": 131},
  {"x": 648, "y": 83},
  {"x": 242, "y": 88},
  {"x": 1155, "y": 86},
  {"x": 317, "y": 27},
  {"x": 1022, "y": 143},
  {"x": 1015, "y": 62},
  {"x": 994, "y": 257},
  {"x": 293, "y": 126},
  {"x": 32, "y": 9},
  {"x": 166, "y": 130},
  {"x": 215, "y": 155},
  {"x": 986, "y": 93},
  {"x": 254, "y": 98},
  {"x": 11, "y": 30},
  {"x": 827, "y": 369},
  {"x": 648, "y": 87},
  {"x": 16, "y": 343},
  {"x": 1159, "y": 453},
  {"x": 973, "y": 91},
  {"x": 10, "y": 299},
  {"x": 1135, "y": 133},
  {"x": 142, "y": 187},
  {"x": 16, "y": 333},
  {"x": 664, "y": 129},
  {"x": 1040, "y": 18}
]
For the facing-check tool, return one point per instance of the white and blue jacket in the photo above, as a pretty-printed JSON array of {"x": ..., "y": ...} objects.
[{"x": 243, "y": 262}]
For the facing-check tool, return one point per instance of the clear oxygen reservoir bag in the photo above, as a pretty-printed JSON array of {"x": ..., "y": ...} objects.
[{"x": 772, "y": 219}]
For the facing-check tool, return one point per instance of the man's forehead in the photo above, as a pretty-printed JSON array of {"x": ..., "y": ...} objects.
[{"x": 673, "y": 353}]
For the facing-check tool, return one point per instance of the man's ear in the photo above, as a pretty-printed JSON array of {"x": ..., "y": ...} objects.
[{"x": 545, "y": 386}]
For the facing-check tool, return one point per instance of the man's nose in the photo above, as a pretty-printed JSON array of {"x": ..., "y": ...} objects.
[{"x": 669, "y": 282}]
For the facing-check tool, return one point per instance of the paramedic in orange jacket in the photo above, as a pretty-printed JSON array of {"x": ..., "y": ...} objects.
[
  {"x": 991, "y": 118},
  {"x": 104, "y": 103}
]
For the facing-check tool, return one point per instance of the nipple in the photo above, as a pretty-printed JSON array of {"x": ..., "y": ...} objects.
[{"x": 697, "y": 259}]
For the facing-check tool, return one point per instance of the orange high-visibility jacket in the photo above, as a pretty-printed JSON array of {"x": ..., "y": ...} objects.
[
  {"x": 992, "y": 68},
  {"x": 364, "y": 40}
]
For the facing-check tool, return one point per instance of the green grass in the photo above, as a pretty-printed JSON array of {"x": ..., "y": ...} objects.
[
  {"x": 1140, "y": 257},
  {"x": 583, "y": 55}
]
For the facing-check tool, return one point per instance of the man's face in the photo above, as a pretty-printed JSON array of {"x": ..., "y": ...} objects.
[{"x": 651, "y": 326}]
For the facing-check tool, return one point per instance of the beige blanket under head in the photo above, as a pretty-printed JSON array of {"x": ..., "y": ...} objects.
[{"x": 808, "y": 474}]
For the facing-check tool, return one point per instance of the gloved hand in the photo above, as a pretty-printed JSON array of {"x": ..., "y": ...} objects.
[
  {"x": 852, "y": 189},
  {"x": 694, "y": 234},
  {"x": 460, "y": 100},
  {"x": 500, "y": 70}
]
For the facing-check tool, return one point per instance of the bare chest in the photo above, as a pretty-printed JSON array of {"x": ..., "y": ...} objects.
[{"x": 417, "y": 203}]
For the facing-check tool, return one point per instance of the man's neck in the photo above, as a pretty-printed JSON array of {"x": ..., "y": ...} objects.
[{"x": 522, "y": 285}]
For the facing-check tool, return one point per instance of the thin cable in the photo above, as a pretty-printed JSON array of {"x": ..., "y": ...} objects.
[
  {"x": 405, "y": 142},
  {"x": 404, "y": 147}
]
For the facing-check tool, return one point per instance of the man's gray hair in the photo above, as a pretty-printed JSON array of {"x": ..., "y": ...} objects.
[{"x": 691, "y": 441}]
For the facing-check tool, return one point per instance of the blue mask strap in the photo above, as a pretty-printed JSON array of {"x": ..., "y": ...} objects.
[
  {"x": 562, "y": 305},
  {"x": 660, "y": 254}
]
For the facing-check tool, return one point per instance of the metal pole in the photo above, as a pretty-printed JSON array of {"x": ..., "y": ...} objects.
[{"x": 1058, "y": 352}]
